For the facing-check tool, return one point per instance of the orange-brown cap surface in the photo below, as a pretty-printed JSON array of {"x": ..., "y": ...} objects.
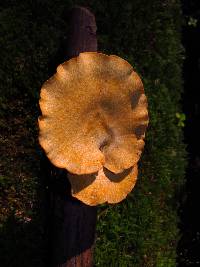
[
  {"x": 94, "y": 115},
  {"x": 104, "y": 186}
]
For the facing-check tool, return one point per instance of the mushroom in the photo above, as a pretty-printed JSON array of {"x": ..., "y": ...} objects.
[
  {"x": 94, "y": 117},
  {"x": 104, "y": 186}
]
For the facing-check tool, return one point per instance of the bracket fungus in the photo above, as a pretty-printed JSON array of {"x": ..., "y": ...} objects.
[{"x": 94, "y": 117}]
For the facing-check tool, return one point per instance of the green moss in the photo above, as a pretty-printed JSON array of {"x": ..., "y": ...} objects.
[{"x": 143, "y": 229}]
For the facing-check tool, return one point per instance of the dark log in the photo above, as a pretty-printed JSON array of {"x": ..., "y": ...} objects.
[
  {"x": 82, "y": 32},
  {"x": 72, "y": 223}
]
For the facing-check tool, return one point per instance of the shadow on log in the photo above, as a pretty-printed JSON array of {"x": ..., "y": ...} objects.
[{"x": 70, "y": 223}]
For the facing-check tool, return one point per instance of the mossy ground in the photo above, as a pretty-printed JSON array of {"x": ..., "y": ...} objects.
[{"x": 143, "y": 229}]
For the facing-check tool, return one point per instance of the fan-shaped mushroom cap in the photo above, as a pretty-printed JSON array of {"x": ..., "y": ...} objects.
[
  {"x": 94, "y": 114},
  {"x": 104, "y": 186}
]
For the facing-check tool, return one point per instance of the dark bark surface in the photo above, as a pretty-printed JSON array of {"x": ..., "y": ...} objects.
[
  {"x": 71, "y": 223},
  {"x": 82, "y": 33}
]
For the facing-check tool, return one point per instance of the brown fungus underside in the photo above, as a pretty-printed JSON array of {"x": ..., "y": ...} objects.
[
  {"x": 104, "y": 186},
  {"x": 94, "y": 117}
]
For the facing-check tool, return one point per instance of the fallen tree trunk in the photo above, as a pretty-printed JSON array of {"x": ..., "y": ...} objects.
[{"x": 72, "y": 223}]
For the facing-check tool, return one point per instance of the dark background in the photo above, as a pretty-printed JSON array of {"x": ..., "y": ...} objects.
[{"x": 190, "y": 226}]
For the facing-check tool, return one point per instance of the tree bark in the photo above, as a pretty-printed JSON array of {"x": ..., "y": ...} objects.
[
  {"x": 72, "y": 223},
  {"x": 82, "y": 33}
]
